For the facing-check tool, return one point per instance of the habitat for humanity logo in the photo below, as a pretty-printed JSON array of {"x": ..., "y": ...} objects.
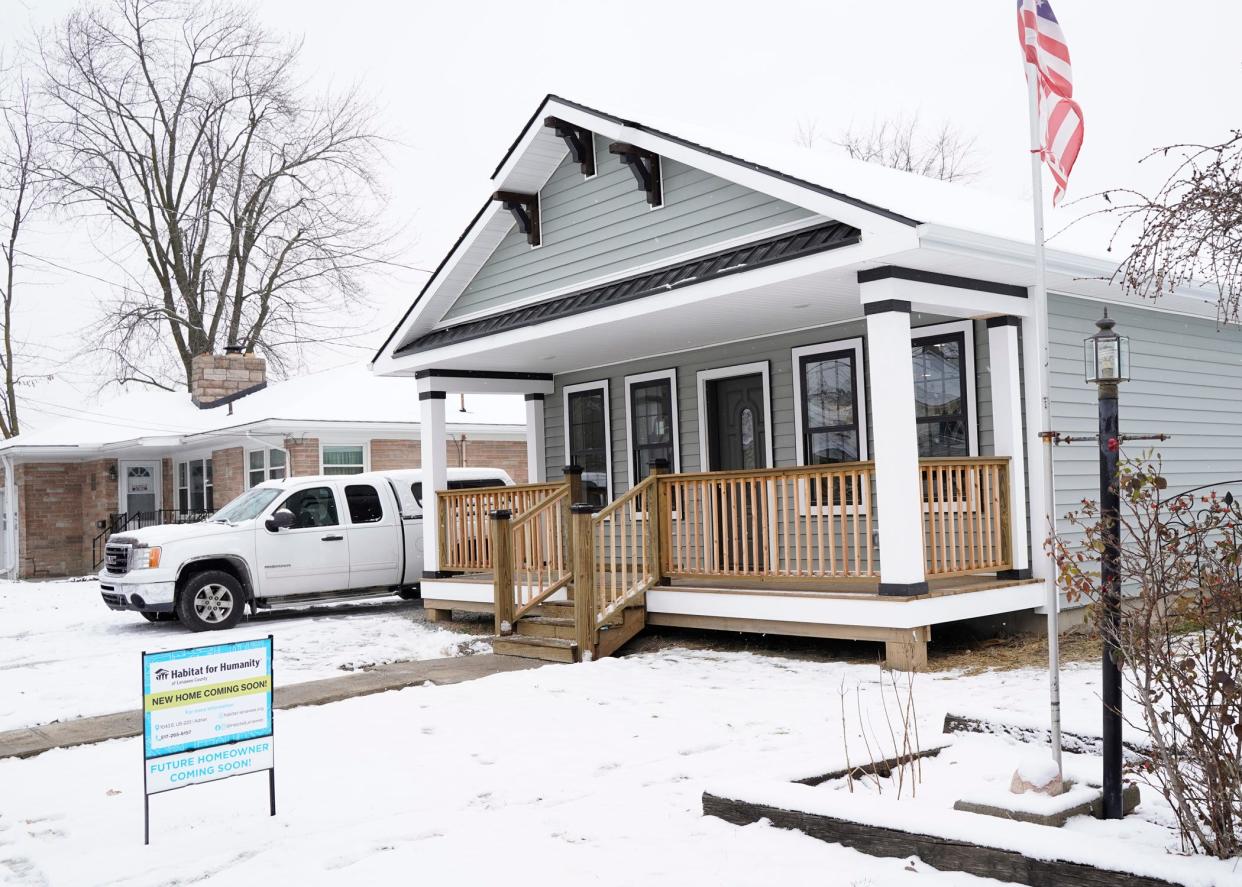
[{"x": 161, "y": 673}]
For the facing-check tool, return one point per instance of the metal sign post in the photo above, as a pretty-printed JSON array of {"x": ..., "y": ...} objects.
[{"x": 206, "y": 716}]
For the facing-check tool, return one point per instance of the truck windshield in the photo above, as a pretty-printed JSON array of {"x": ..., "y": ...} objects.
[{"x": 246, "y": 506}]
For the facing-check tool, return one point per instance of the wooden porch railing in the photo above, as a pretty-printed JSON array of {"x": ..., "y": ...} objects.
[
  {"x": 806, "y": 522},
  {"x": 966, "y": 508},
  {"x": 541, "y": 560},
  {"x": 626, "y": 549},
  {"x": 465, "y": 537}
]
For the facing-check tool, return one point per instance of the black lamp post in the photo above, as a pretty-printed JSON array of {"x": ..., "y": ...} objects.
[{"x": 1107, "y": 359}]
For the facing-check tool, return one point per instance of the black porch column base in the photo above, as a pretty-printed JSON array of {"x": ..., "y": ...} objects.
[
  {"x": 1024, "y": 573},
  {"x": 903, "y": 589},
  {"x": 439, "y": 574}
]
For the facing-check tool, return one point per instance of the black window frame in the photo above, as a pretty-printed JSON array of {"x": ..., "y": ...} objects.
[
  {"x": 336, "y": 511},
  {"x": 637, "y": 449},
  {"x": 377, "y": 500},
  {"x": 856, "y": 426},
  {"x": 958, "y": 336},
  {"x": 594, "y": 494}
]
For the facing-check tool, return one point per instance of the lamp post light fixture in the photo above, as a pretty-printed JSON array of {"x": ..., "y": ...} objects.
[{"x": 1107, "y": 363}]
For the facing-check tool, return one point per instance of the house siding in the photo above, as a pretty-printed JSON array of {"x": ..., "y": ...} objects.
[
  {"x": 776, "y": 351},
  {"x": 602, "y": 226},
  {"x": 1186, "y": 374}
]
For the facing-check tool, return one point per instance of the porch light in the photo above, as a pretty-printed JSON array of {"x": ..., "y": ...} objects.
[{"x": 1106, "y": 355}]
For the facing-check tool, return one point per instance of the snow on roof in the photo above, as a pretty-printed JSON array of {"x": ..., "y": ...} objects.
[
  {"x": 347, "y": 395},
  {"x": 917, "y": 197}
]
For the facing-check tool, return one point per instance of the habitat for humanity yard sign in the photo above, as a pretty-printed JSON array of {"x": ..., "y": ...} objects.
[{"x": 206, "y": 715}]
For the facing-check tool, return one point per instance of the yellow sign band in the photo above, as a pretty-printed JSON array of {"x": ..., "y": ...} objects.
[{"x": 204, "y": 693}]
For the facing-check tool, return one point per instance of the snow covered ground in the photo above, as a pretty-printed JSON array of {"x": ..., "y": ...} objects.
[
  {"x": 64, "y": 654},
  {"x": 579, "y": 774}
]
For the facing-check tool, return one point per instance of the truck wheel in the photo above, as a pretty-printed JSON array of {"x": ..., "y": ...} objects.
[
  {"x": 409, "y": 593},
  {"x": 211, "y": 600},
  {"x": 158, "y": 617}
]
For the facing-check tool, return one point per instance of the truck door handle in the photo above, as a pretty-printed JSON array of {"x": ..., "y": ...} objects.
[{"x": 333, "y": 538}]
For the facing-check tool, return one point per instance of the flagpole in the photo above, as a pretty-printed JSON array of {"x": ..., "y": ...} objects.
[{"x": 1040, "y": 310}]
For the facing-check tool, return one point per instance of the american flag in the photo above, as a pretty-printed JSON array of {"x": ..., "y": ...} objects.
[{"x": 1060, "y": 118}]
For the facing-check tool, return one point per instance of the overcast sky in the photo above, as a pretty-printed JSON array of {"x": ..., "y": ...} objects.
[{"x": 457, "y": 79}]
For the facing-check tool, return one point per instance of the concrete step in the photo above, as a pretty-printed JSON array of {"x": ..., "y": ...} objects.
[
  {"x": 547, "y": 649},
  {"x": 545, "y": 627}
]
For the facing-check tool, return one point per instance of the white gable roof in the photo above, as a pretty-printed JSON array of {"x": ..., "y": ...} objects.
[{"x": 348, "y": 396}]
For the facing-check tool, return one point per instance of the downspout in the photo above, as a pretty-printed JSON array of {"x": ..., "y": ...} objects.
[{"x": 10, "y": 518}]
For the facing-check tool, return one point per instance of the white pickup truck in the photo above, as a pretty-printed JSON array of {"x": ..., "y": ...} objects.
[{"x": 284, "y": 542}]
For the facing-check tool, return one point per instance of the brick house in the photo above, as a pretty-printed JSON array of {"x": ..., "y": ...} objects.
[{"x": 158, "y": 456}]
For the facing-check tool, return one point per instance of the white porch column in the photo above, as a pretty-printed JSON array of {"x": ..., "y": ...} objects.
[
  {"x": 899, "y": 502},
  {"x": 435, "y": 474},
  {"x": 1007, "y": 429},
  {"x": 536, "y": 462}
]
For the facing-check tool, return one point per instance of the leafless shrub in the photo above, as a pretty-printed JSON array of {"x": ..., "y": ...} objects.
[
  {"x": 898, "y": 760},
  {"x": 1180, "y": 639},
  {"x": 252, "y": 207}
]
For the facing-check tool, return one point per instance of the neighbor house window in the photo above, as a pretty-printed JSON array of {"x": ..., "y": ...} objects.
[
  {"x": 266, "y": 465},
  {"x": 586, "y": 438},
  {"x": 349, "y": 459},
  {"x": 194, "y": 486},
  {"x": 940, "y": 395},
  {"x": 651, "y": 422}
]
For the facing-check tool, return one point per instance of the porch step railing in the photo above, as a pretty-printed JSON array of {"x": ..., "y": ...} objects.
[
  {"x": 812, "y": 522},
  {"x": 966, "y": 515},
  {"x": 465, "y": 540},
  {"x": 541, "y": 558},
  {"x": 626, "y": 549}
]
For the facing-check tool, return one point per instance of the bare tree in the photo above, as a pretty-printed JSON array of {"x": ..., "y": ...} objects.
[
  {"x": 253, "y": 208},
  {"x": 1188, "y": 232},
  {"x": 904, "y": 143},
  {"x": 23, "y": 191}
]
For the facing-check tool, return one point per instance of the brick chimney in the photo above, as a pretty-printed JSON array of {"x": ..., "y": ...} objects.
[{"x": 217, "y": 379}]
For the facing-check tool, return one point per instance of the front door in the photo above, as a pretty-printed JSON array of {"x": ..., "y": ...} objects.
[
  {"x": 737, "y": 441},
  {"x": 140, "y": 492}
]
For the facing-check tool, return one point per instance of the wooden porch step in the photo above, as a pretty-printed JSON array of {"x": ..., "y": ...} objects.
[
  {"x": 548, "y": 649},
  {"x": 616, "y": 634},
  {"x": 545, "y": 627}
]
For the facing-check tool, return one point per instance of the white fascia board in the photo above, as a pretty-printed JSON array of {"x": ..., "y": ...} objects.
[
  {"x": 938, "y": 298},
  {"x": 369, "y": 430},
  {"x": 1189, "y": 300},
  {"x": 856, "y": 254},
  {"x": 826, "y": 609},
  {"x": 466, "y": 384}
]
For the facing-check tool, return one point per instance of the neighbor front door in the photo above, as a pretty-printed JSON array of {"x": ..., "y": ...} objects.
[
  {"x": 737, "y": 441},
  {"x": 140, "y": 492}
]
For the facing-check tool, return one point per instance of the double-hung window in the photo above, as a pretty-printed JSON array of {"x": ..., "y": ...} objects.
[
  {"x": 194, "y": 486},
  {"x": 264, "y": 465},
  {"x": 651, "y": 422},
  {"x": 941, "y": 401},
  {"x": 586, "y": 438},
  {"x": 349, "y": 459},
  {"x": 831, "y": 415}
]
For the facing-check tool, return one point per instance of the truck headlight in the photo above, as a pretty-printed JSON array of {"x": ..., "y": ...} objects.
[{"x": 145, "y": 558}]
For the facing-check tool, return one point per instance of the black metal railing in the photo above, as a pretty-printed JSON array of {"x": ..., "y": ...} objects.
[{"x": 120, "y": 522}]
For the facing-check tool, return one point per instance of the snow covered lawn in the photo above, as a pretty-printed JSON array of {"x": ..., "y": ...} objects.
[
  {"x": 64, "y": 654},
  {"x": 576, "y": 774}
]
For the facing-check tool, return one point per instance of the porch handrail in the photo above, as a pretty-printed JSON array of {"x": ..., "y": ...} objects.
[
  {"x": 626, "y": 550},
  {"x": 465, "y": 541},
  {"x": 967, "y": 514},
  {"x": 803, "y": 522},
  {"x": 541, "y": 559}
]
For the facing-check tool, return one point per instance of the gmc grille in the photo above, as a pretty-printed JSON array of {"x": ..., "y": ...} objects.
[{"x": 116, "y": 558}]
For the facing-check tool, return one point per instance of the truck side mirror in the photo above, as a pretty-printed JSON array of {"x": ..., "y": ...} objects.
[{"x": 283, "y": 519}]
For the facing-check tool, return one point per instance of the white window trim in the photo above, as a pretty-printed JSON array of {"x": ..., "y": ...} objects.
[
  {"x": 591, "y": 386},
  {"x": 967, "y": 327},
  {"x": 630, "y": 381},
  {"x": 741, "y": 369},
  {"x": 267, "y": 468},
  {"x": 366, "y": 452},
  {"x": 854, "y": 344},
  {"x": 122, "y": 495}
]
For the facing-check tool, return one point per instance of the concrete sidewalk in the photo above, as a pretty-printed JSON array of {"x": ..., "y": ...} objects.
[{"x": 29, "y": 741}]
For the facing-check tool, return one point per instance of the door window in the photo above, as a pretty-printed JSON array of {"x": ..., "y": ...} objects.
[
  {"x": 315, "y": 507},
  {"x": 588, "y": 442},
  {"x": 364, "y": 504}
]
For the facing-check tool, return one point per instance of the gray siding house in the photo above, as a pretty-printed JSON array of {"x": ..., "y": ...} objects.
[{"x": 789, "y": 392}]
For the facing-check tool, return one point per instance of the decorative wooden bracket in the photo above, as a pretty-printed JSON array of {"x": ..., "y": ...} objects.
[
  {"x": 525, "y": 209},
  {"x": 645, "y": 165},
  {"x": 581, "y": 143}
]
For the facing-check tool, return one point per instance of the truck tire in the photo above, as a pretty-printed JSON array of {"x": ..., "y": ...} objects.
[{"x": 211, "y": 600}]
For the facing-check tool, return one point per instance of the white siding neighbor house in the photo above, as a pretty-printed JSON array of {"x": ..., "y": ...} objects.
[{"x": 790, "y": 392}]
